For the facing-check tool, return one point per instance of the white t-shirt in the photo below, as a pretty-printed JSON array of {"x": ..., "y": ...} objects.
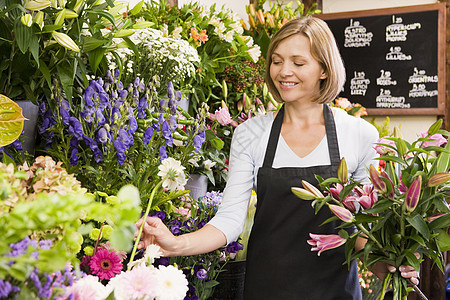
[{"x": 248, "y": 147}]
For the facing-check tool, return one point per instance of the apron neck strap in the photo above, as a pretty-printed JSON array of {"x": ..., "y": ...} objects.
[{"x": 330, "y": 127}]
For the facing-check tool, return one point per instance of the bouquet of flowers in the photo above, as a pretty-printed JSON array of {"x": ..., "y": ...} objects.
[
  {"x": 354, "y": 109},
  {"x": 402, "y": 212}
]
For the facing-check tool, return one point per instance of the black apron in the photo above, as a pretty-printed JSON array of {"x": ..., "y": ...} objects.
[{"x": 280, "y": 263}]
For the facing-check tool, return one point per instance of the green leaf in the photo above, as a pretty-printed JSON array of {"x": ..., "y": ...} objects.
[
  {"x": 379, "y": 206},
  {"x": 217, "y": 143},
  {"x": 23, "y": 35},
  {"x": 329, "y": 181},
  {"x": 412, "y": 260},
  {"x": 419, "y": 224},
  {"x": 46, "y": 72},
  {"x": 441, "y": 222},
  {"x": 103, "y": 14},
  {"x": 392, "y": 158},
  {"x": 132, "y": 46},
  {"x": 122, "y": 238},
  {"x": 443, "y": 241},
  {"x": 363, "y": 218},
  {"x": 95, "y": 57},
  {"x": 137, "y": 8},
  {"x": 66, "y": 75},
  {"x": 418, "y": 239},
  {"x": 91, "y": 43},
  {"x": 50, "y": 28},
  {"x": 11, "y": 121}
]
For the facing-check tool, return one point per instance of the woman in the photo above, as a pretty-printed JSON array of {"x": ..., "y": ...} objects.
[{"x": 274, "y": 153}]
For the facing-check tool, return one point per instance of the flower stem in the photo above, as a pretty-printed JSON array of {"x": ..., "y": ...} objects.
[
  {"x": 386, "y": 282},
  {"x": 370, "y": 235},
  {"x": 144, "y": 218}
]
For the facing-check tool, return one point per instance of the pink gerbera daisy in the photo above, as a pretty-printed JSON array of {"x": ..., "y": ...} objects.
[{"x": 105, "y": 264}]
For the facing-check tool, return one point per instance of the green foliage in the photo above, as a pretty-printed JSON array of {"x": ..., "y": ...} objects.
[{"x": 57, "y": 217}]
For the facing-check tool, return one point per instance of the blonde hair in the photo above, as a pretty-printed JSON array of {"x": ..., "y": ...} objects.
[{"x": 323, "y": 49}]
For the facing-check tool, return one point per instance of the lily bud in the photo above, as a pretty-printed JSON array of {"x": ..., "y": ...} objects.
[
  {"x": 260, "y": 16},
  {"x": 65, "y": 41},
  {"x": 39, "y": 18},
  {"x": 78, "y": 5},
  {"x": 143, "y": 25},
  {"x": 438, "y": 179},
  {"x": 224, "y": 105},
  {"x": 377, "y": 182},
  {"x": 62, "y": 3},
  {"x": 265, "y": 90},
  {"x": 277, "y": 13},
  {"x": 240, "y": 105},
  {"x": 70, "y": 14},
  {"x": 303, "y": 194},
  {"x": 343, "y": 171},
  {"x": 243, "y": 24},
  {"x": 247, "y": 102},
  {"x": 413, "y": 194},
  {"x": 251, "y": 21},
  {"x": 224, "y": 89},
  {"x": 251, "y": 9},
  {"x": 342, "y": 213},
  {"x": 270, "y": 20},
  {"x": 37, "y": 4},
  {"x": 60, "y": 16},
  {"x": 123, "y": 33},
  {"x": 27, "y": 20},
  {"x": 397, "y": 133},
  {"x": 312, "y": 189}
]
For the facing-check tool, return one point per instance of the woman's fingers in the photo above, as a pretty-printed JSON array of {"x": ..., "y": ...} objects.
[{"x": 410, "y": 273}]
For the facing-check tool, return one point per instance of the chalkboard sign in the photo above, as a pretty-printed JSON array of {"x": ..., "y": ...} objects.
[{"x": 394, "y": 58}]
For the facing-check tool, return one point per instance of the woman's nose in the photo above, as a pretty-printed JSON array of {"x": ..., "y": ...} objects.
[{"x": 286, "y": 70}]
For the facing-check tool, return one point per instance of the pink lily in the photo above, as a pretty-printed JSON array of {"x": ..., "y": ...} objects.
[
  {"x": 336, "y": 190},
  {"x": 349, "y": 202},
  {"x": 381, "y": 149},
  {"x": 435, "y": 139},
  {"x": 413, "y": 194},
  {"x": 367, "y": 196},
  {"x": 342, "y": 213},
  {"x": 323, "y": 242}
]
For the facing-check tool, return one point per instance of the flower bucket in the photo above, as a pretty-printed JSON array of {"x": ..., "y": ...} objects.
[
  {"x": 198, "y": 185},
  {"x": 31, "y": 112},
  {"x": 231, "y": 281}
]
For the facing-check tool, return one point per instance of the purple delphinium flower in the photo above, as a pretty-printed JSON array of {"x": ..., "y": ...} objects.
[
  {"x": 162, "y": 103},
  {"x": 120, "y": 148},
  {"x": 89, "y": 95},
  {"x": 123, "y": 94},
  {"x": 162, "y": 261},
  {"x": 142, "y": 106},
  {"x": 102, "y": 135},
  {"x": 201, "y": 274},
  {"x": 98, "y": 157},
  {"x": 198, "y": 141},
  {"x": 45, "y": 244},
  {"x": 162, "y": 153},
  {"x": 17, "y": 144},
  {"x": 201, "y": 224},
  {"x": 175, "y": 229},
  {"x": 132, "y": 125},
  {"x": 101, "y": 120},
  {"x": 7, "y": 290},
  {"x": 173, "y": 123},
  {"x": 146, "y": 138},
  {"x": 213, "y": 198},
  {"x": 167, "y": 133},
  {"x": 75, "y": 128},
  {"x": 74, "y": 157}
]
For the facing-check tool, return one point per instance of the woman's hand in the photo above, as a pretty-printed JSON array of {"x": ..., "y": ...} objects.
[
  {"x": 380, "y": 269},
  {"x": 155, "y": 232}
]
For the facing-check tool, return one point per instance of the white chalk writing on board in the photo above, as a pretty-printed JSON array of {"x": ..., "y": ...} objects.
[
  {"x": 359, "y": 84},
  {"x": 386, "y": 100},
  {"x": 385, "y": 79},
  {"x": 420, "y": 76},
  {"x": 397, "y": 54},
  {"x": 356, "y": 35},
  {"x": 397, "y": 31},
  {"x": 420, "y": 91}
]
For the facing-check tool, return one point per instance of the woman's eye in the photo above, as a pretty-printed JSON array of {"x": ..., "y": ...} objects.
[
  {"x": 276, "y": 62},
  {"x": 298, "y": 64}
]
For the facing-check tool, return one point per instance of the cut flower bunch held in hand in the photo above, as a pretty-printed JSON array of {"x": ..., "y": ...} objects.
[{"x": 403, "y": 212}]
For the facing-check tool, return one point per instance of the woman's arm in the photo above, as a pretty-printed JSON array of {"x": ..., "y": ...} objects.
[{"x": 203, "y": 240}]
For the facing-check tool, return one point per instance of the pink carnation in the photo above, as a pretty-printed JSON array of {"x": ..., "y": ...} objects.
[{"x": 87, "y": 288}]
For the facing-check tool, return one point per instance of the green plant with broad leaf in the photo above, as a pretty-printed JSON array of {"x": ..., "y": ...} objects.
[
  {"x": 67, "y": 40},
  {"x": 402, "y": 213}
]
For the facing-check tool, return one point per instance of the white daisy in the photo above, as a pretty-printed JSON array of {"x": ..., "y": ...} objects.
[
  {"x": 172, "y": 284},
  {"x": 173, "y": 172}
]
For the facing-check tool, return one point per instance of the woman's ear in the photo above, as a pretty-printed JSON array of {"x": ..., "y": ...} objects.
[{"x": 323, "y": 75}]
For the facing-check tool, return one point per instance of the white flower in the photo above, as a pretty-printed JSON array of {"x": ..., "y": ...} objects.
[
  {"x": 254, "y": 53},
  {"x": 176, "y": 33},
  {"x": 173, "y": 172},
  {"x": 151, "y": 253},
  {"x": 172, "y": 283},
  {"x": 139, "y": 283},
  {"x": 209, "y": 164},
  {"x": 88, "y": 287}
]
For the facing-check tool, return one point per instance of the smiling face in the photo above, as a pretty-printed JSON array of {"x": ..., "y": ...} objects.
[{"x": 296, "y": 74}]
